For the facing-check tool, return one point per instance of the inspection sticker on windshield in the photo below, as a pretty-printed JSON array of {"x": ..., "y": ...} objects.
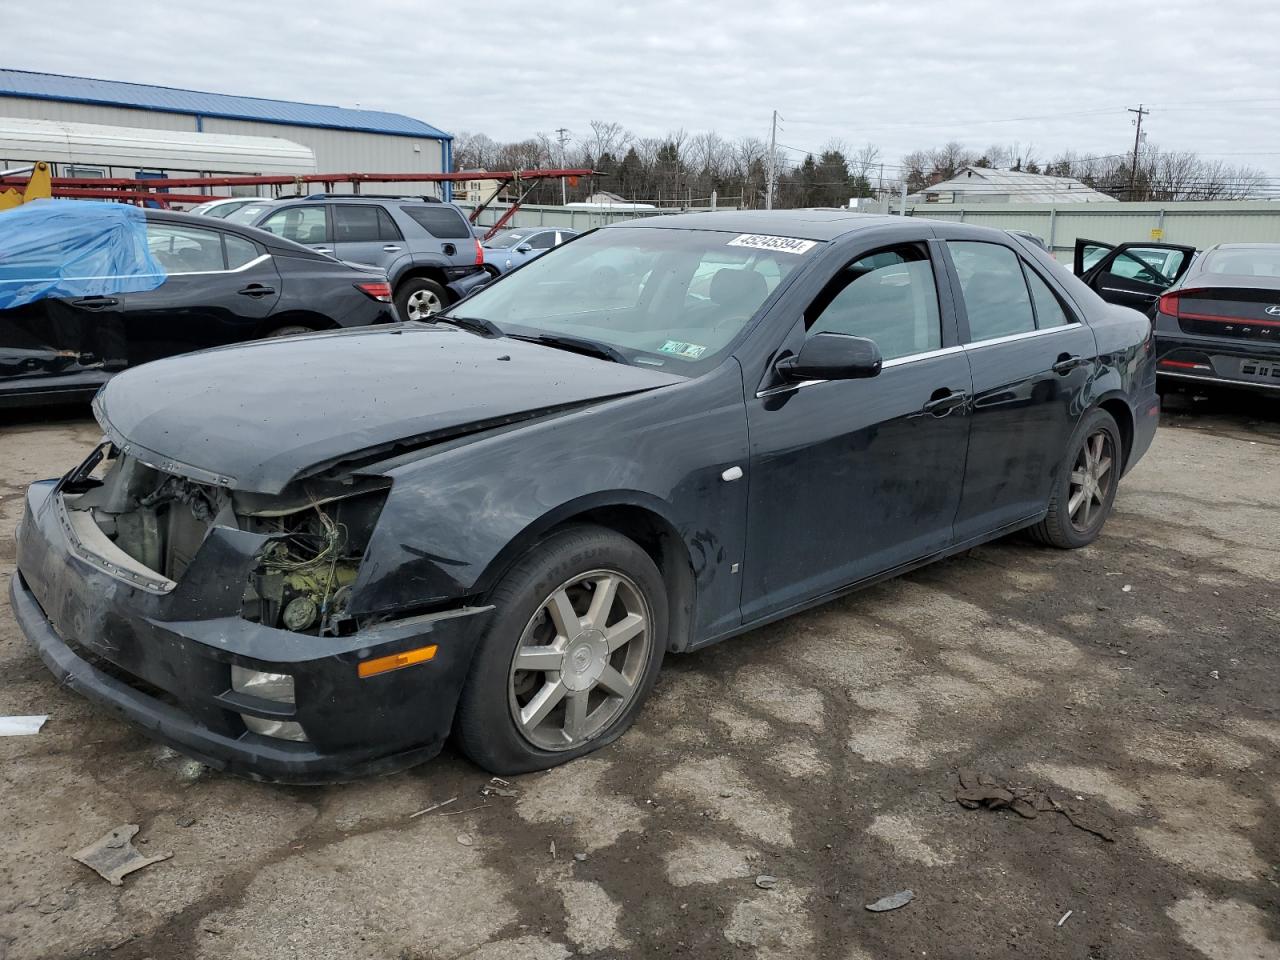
[
  {"x": 690, "y": 351},
  {"x": 759, "y": 241}
]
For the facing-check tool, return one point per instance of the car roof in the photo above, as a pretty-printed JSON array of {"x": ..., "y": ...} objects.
[{"x": 809, "y": 224}]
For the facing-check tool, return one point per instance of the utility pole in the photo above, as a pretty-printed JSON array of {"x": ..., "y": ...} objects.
[
  {"x": 1137, "y": 141},
  {"x": 773, "y": 152},
  {"x": 562, "y": 135}
]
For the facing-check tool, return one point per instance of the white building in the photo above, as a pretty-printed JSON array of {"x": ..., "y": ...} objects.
[
  {"x": 341, "y": 140},
  {"x": 986, "y": 185}
]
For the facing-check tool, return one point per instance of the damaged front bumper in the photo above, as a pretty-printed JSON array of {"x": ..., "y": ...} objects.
[{"x": 164, "y": 658}]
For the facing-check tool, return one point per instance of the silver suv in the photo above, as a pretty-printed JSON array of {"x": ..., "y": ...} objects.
[{"x": 426, "y": 247}]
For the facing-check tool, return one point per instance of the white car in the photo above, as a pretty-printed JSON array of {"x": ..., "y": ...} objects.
[{"x": 223, "y": 206}]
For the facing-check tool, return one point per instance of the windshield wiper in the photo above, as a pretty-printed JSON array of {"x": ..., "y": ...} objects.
[
  {"x": 592, "y": 348},
  {"x": 478, "y": 325}
]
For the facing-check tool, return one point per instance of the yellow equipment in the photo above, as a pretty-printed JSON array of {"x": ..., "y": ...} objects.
[{"x": 39, "y": 186}]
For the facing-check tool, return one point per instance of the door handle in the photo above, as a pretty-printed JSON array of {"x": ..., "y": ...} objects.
[
  {"x": 323, "y": 249},
  {"x": 1068, "y": 362},
  {"x": 391, "y": 248},
  {"x": 257, "y": 290},
  {"x": 95, "y": 303},
  {"x": 944, "y": 401}
]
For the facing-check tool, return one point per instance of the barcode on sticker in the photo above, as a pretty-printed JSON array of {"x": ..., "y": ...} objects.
[{"x": 759, "y": 241}]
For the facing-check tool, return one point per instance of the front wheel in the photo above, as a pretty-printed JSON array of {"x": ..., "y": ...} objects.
[
  {"x": 1085, "y": 489},
  {"x": 573, "y": 651}
]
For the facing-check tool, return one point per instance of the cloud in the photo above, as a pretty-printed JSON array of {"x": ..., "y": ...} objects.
[{"x": 902, "y": 75}]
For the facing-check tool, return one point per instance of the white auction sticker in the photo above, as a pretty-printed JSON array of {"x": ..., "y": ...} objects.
[{"x": 759, "y": 241}]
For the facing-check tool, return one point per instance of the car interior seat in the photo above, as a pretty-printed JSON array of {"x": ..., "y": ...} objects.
[{"x": 737, "y": 294}]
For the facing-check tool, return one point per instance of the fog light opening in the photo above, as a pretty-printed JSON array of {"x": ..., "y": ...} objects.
[
  {"x": 280, "y": 729},
  {"x": 277, "y": 687}
]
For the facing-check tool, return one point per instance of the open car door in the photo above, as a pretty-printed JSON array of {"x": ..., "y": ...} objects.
[{"x": 1131, "y": 274}]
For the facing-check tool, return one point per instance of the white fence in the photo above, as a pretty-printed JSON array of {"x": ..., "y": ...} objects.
[{"x": 1195, "y": 223}]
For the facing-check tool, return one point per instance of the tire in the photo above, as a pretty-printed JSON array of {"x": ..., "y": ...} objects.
[
  {"x": 418, "y": 298},
  {"x": 527, "y": 618},
  {"x": 292, "y": 330},
  {"x": 1068, "y": 528}
]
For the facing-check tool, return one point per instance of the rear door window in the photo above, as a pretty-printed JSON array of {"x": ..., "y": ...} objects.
[
  {"x": 994, "y": 291},
  {"x": 1049, "y": 309},
  {"x": 355, "y": 224},
  {"x": 182, "y": 249},
  {"x": 443, "y": 223},
  {"x": 888, "y": 296},
  {"x": 239, "y": 250}
]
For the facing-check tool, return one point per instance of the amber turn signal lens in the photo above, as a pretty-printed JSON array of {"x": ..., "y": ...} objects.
[{"x": 371, "y": 668}]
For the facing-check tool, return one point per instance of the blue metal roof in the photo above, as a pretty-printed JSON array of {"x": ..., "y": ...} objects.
[{"x": 141, "y": 96}]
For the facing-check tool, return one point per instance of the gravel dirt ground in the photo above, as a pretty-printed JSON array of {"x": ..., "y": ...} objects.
[{"x": 1135, "y": 682}]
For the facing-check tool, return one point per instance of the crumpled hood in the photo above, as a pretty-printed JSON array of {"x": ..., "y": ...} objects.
[{"x": 254, "y": 417}]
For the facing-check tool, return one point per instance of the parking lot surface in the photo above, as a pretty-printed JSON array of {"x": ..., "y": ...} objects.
[{"x": 1133, "y": 684}]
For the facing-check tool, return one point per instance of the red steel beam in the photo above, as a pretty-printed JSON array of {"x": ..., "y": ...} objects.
[
  {"x": 283, "y": 180},
  {"x": 130, "y": 195}
]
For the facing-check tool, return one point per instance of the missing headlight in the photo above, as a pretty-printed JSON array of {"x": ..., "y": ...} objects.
[{"x": 304, "y": 576}]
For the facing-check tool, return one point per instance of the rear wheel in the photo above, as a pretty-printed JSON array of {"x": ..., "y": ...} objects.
[
  {"x": 574, "y": 649},
  {"x": 1085, "y": 490},
  {"x": 419, "y": 298}
]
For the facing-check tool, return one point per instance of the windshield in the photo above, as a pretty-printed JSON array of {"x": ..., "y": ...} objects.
[
  {"x": 1245, "y": 262},
  {"x": 661, "y": 297},
  {"x": 504, "y": 240}
]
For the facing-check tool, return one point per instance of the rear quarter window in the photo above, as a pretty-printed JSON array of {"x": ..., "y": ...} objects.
[{"x": 443, "y": 223}]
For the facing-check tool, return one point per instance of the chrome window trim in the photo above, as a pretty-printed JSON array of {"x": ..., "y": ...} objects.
[
  {"x": 895, "y": 362},
  {"x": 1025, "y": 335},
  {"x": 185, "y": 273}
]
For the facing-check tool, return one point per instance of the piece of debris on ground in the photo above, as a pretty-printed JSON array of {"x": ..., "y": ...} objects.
[
  {"x": 766, "y": 882},
  {"x": 892, "y": 902},
  {"x": 434, "y": 806},
  {"x": 498, "y": 787},
  {"x": 979, "y": 791},
  {"x": 21, "y": 726},
  {"x": 113, "y": 856}
]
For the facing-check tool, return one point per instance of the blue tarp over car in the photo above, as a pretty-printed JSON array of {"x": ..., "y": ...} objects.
[{"x": 74, "y": 248}]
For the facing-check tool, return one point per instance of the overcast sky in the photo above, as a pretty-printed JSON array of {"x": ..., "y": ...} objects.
[{"x": 902, "y": 74}]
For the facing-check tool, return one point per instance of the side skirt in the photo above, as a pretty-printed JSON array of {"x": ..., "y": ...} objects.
[{"x": 870, "y": 581}]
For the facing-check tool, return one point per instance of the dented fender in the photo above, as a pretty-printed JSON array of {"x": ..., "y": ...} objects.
[{"x": 456, "y": 518}]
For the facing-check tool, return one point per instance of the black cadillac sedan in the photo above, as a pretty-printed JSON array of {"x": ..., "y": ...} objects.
[{"x": 656, "y": 437}]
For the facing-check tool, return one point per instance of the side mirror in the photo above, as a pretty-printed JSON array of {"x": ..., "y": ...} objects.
[
  {"x": 523, "y": 248},
  {"x": 833, "y": 356}
]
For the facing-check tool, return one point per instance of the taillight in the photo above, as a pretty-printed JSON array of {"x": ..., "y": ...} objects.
[
  {"x": 1169, "y": 304},
  {"x": 479, "y": 253},
  {"x": 377, "y": 289}
]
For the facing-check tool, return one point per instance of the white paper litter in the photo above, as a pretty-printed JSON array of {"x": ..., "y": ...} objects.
[{"x": 21, "y": 726}]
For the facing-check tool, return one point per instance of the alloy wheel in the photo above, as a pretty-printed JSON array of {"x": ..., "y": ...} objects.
[
  {"x": 580, "y": 661},
  {"x": 422, "y": 303},
  {"x": 1092, "y": 477}
]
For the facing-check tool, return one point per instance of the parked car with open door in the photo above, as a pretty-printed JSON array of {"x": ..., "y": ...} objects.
[{"x": 1131, "y": 274}]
